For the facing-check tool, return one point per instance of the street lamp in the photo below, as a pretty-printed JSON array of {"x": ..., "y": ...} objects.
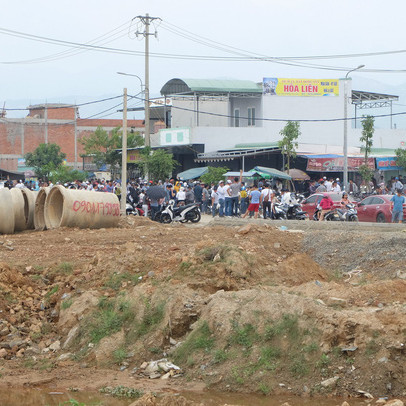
[
  {"x": 345, "y": 147},
  {"x": 146, "y": 99}
]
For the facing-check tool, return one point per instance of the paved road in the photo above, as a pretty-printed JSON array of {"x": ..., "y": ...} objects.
[{"x": 304, "y": 225}]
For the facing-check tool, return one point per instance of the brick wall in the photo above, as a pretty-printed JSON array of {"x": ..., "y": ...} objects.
[{"x": 19, "y": 136}]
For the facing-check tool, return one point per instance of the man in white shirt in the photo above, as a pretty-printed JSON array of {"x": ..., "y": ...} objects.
[
  {"x": 20, "y": 185},
  {"x": 221, "y": 191},
  {"x": 329, "y": 185},
  {"x": 285, "y": 197},
  {"x": 266, "y": 199}
]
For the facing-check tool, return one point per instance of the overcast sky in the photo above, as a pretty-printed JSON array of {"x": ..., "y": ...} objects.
[{"x": 275, "y": 28}]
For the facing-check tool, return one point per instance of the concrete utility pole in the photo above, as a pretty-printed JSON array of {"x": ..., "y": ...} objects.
[
  {"x": 146, "y": 20},
  {"x": 76, "y": 138},
  {"x": 123, "y": 200},
  {"x": 46, "y": 123},
  {"x": 345, "y": 146}
]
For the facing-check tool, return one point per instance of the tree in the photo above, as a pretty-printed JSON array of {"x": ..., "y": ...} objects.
[
  {"x": 64, "y": 174},
  {"x": 159, "y": 164},
  {"x": 401, "y": 157},
  {"x": 367, "y": 139},
  {"x": 45, "y": 159},
  {"x": 214, "y": 175},
  {"x": 102, "y": 145},
  {"x": 288, "y": 144}
]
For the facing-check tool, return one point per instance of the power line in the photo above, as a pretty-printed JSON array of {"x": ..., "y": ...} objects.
[
  {"x": 281, "y": 119},
  {"x": 65, "y": 106},
  {"x": 278, "y": 60}
]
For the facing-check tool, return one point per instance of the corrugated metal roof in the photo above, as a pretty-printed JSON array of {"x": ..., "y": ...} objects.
[{"x": 184, "y": 86}]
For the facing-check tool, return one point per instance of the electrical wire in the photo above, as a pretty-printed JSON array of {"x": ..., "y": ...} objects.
[
  {"x": 180, "y": 56},
  {"x": 281, "y": 119}
]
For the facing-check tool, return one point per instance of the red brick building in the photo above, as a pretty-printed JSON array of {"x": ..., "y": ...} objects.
[{"x": 52, "y": 123}]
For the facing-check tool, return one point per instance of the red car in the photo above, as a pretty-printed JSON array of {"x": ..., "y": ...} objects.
[
  {"x": 310, "y": 204},
  {"x": 377, "y": 209}
]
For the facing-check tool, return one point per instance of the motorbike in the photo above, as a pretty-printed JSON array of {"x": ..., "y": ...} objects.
[
  {"x": 348, "y": 215},
  {"x": 332, "y": 215},
  {"x": 132, "y": 208},
  {"x": 183, "y": 214},
  {"x": 279, "y": 212}
]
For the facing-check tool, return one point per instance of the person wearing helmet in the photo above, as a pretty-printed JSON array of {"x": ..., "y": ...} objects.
[
  {"x": 344, "y": 200},
  {"x": 326, "y": 204}
]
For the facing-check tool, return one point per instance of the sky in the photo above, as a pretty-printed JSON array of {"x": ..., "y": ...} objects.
[{"x": 35, "y": 72}]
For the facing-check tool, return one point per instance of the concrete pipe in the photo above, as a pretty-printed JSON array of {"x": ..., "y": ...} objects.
[
  {"x": 29, "y": 206},
  {"x": 19, "y": 204},
  {"x": 6, "y": 212},
  {"x": 39, "y": 218},
  {"x": 80, "y": 208}
]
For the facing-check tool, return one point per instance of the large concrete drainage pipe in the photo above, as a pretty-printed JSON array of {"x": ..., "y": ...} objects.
[
  {"x": 29, "y": 206},
  {"x": 19, "y": 203},
  {"x": 6, "y": 212},
  {"x": 39, "y": 217},
  {"x": 80, "y": 208}
]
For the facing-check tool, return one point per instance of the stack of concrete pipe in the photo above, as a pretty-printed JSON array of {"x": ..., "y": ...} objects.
[{"x": 22, "y": 209}]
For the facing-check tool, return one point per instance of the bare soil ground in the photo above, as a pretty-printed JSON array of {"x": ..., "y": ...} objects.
[{"x": 238, "y": 308}]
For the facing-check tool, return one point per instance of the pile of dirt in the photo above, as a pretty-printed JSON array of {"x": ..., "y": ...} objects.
[{"x": 249, "y": 308}]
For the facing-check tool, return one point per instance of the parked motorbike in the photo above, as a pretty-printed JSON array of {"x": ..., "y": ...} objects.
[
  {"x": 190, "y": 212},
  {"x": 279, "y": 212},
  {"x": 294, "y": 212},
  {"x": 348, "y": 215},
  {"x": 332, "y": 215},
  {"x": 130, "y": 207}
]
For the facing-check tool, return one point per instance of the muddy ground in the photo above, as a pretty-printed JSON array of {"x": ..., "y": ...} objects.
[{"x": 237, "y": 308}]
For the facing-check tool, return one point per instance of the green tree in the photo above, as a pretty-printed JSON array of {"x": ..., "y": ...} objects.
[
  {"x": 214, "y": 174},
  {"x": 367, "y": 140},
  {"x": 102, "y": 145},
  {"x": 45, "y": 159},
  {"x": 401, "y": 157},
  {"x": 66, "y": 174},
  {"x": 290, "y": 133},
  {"x": 159, "y": 164}
]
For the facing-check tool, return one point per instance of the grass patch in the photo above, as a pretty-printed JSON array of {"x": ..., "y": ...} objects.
[
  {"x": 311, "y": 348},
  {"x": 220, "y": 356},
  {"x": 109, "y": 318},
  {"x": 66, "y": 304},
  {"x": 371, "y": 348},
  {"x": 65, "y": 268},
  {"x": 199, "y": 339},
  {"x": 116, "y": 280},
  {"x": 287, "y": 325},
  {"x": 122, "y": 391},
  {"x": 299, "y": 366},
  {"x": 52, "y": 292},
  {"x": 119, "y": 355},
  {"x": 243, "y": 335},
  {"x": 323, "y": 362},
  {"x": 264, "y": 388}
]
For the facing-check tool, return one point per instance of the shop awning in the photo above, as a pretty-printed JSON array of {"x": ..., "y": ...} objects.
[
  {"x": 193, "y": 173},
  {"x": 270, "y": 172}
]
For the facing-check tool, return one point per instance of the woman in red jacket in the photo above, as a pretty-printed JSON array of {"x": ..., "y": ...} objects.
[{"x": 326, "y": 205}]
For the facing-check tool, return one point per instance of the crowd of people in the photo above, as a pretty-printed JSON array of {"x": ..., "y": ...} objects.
[{"x": 230, "y": 198}]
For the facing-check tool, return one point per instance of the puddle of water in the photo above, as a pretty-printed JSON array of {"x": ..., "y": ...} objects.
[{"x": 38, "y": 397}]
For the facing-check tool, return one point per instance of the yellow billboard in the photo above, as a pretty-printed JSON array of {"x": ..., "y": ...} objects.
[{"x": 300, "y": 87}]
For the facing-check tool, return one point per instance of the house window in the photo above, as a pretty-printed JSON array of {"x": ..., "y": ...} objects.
[
  {"x": 251, "y": 116},
  {"x": 236, "y": 117},
  {"x": 179, "y": 137},
  {"x": 168, "y": 138}
]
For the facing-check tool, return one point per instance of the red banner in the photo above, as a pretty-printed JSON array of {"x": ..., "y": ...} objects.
[{"x": 337, "y": 164}]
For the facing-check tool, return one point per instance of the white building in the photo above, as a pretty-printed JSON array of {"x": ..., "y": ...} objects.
[{"x": 229, "y": 119}]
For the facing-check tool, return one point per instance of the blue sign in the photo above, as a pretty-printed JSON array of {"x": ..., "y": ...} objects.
[{"x": 387, "y": 164}]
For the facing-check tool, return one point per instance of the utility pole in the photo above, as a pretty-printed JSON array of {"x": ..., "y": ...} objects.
[
  {"x": 146, "y": 21},
  {"x": 76, "y": 137},
  {"x": 123, "y": 200},
  {"x": 46, "y": 123}
]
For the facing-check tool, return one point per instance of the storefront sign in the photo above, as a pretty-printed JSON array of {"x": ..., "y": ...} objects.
[
  {"x": 300, "y": 87},
  {"x": 134, "y": 157},
  {"x": 337, "y": 164},
  {"x": 387, "y": 164}
]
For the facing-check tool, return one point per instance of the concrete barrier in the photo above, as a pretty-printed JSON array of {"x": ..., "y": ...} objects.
[
  {"x": 80, "y": 208},
  {"x": 39, "y": 218},
  {"x": 6, "y": 212},
  {"x": 19, "y": 203}
]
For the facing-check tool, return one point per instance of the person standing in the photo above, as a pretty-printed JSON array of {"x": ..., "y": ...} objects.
[
  {"x": 322, "y": 187},
  {"x": 255, "y": 196},
  {"x": 198, "y": 193},
  {"x": 221, "y": 191},
  {"x": 397, "y": 203},
  {"x": 227, "y": 198},
  {"x": 214, "y": 200},
  {"x": 205, "y": 198},
  {"x": 233, "y": 192},
  {"x": 244, "y": 198},
  {"x": 266, "y": 199}
]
